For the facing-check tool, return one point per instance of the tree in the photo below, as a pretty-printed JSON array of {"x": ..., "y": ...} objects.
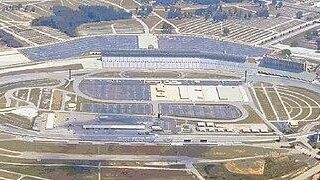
[
  {"x": 174, "y": 12},
  {"x": 318, "y": 43},
  {"x": 299, "y": 14},
  {"x": 67, "y": 20},
  {"x": 166, "y": 2},
  {"x": 309, "y": 35},
  {"x": 279, "y": 4},
  {"x": 145, "y": 10},
  {"x": 294, "y": 44},
  {"x": 263, "y": 12},
  {"x": 19, "y": 6},
  {"x": 225, "y": 31},
  {"x": 167, "y": 28},
  {"x": 286, "y": 52},
  {"x": 203, "y": 2}
]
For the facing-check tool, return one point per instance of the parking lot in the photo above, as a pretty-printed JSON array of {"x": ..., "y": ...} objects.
[
  {"x": 108, "y": 90},
  {"x": 216, "y": 111},
  {"x": 142, "y": 109}
]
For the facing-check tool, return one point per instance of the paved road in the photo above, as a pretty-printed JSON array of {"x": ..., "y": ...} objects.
[{"x": 309, "y": 173}]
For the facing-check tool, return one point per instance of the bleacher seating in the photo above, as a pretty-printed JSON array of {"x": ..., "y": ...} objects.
[
  {"x": 188, "y": 43},
  {"x": 75, "y": 48},
  {"x": 282, "y": 65},
  {"x": 208, "y": 48}
]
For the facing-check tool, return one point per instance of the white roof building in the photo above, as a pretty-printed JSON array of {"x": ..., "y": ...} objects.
[
  {"x": 50, "y": 121},
  {"x": 201, "y": 124}
]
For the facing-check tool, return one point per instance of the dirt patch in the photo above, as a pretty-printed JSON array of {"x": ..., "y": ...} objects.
[
  {"x": 253, "y": 167},
  {"x": 138, "y": 174},
  {"x": 57, "y": 100}
]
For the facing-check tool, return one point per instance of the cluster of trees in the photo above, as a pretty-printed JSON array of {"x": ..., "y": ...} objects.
[
  {"x": 9, "y": 40},
  {"x": 144, "y": 10},
  {"x": 263, "y": 12},
  {"x": 215, "y": 11},
  {"x": 203, "y": 2},
  {"x": 285, "y": 53},
  {"x": 166, "y": 2},
  {"x": 167, "y": 28},
  {"x": 174, "y": 12},
  {"x": 67, "y": 20},
  {"x": 240, "y": 14},
  {"x": 299, "y": 14},
  {"x": 19, "y": 7},
  {"x": 212, "y": 12},
  {"x": 277, "y": 3},
  {"x": 313, "y": 36},
  {"x": 310, "y": 35},
  {"x": 318, "y": 43}
]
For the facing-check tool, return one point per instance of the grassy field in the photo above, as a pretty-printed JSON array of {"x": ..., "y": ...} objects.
[
  {"x": 35, "y": 96},
  {"x": 255, "y": 100},
  {"x": 3, "y": 101},
  {"x": 30, "y": 83},
  {"x": 253, "y": 117},
  {"x": 219, "y": 171},
  {"x": 67, "y": 87},
  {"x": 210, "y": 152},
  {"x": 45, "y": 98},
  {"x": 306, "y": 98},
  {"x": 23, "y": 94},
  {"x": 8, "y": 175},
  {"x": 61, "y": 172},
  {"x": 107, "y": 74},
  {"x": 46, "y": 70},
  {"x": 266, "y": 106},
  {"x": 57, "y": 100},
  {"x": 283, "y": 167},
  {"x": 6, "y": 136},
  {"x": 112, "y": 173},
  {"x": 300, "y": 40},
  {"x": 210, "y": 75},
  {"x": 152, "y": 74},
  {"x": 304, "y": 114},
  {"x": 78, "y": 172},
  {"x": 294, "y": 112},
  {"x": 311, "y": 94},
  {"x": 16, "y": 120},
  {"x": 281, "y": 112},
  {"x": 297, "y": 100},
  {"x": 280, "y": 166},
  {"x": 315, "y": 114},
  {"x": 73, "y": 99}
]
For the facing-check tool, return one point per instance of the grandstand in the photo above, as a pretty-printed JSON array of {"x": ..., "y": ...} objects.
[
  {"x": 282, "y": 65},
  {"x": 74, "y": 48},
  {"x": 189, "y": 43}
]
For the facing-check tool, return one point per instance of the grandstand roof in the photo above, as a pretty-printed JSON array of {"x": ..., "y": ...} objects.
[{"x": 167, "y": 53}]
